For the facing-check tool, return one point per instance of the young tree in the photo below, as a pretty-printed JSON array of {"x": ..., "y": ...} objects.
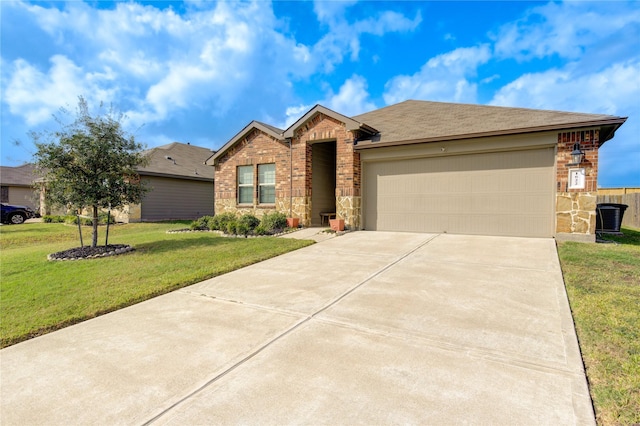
[{"x": 91, "y": 163}]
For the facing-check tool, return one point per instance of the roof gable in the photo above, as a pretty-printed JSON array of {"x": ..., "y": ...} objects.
[
  {"x": 272, "y": 131},
  {"x": 350, "y": 123},
  {"x": 281, "y": 135}
]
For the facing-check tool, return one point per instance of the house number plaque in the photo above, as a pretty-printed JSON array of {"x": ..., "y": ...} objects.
[{"x": 576, "y": 178}]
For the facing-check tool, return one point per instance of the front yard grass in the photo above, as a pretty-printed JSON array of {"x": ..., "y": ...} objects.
[
  {"x": 38, "y": 296},
  {"x": 603, "y": 284}
]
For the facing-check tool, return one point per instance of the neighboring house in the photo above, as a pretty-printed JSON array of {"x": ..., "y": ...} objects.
[
  {"x": 181, "y": 185},
  {"x": 16, "y": 186},
  {"x": 422, "y": 167}
]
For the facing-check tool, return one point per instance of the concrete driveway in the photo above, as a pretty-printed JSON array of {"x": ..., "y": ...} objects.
[{"x": 365, "y": 328}]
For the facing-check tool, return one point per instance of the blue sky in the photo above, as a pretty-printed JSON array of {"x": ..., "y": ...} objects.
[{"x": 199, "y": 71}]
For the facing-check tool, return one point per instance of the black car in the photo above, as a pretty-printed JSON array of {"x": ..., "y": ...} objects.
[{"x": 16, "y": 214}]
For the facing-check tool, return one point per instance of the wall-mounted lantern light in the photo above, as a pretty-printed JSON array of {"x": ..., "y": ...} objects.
[{"x": 577, "y": 155}]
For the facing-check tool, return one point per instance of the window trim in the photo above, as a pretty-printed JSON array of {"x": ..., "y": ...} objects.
[
  {"x": 244, "y": 185},
  {"x": 270, "y": 185}
]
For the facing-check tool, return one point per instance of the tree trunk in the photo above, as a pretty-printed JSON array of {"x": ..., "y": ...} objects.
[
  {"x": 94, "y": 237},
  {"x": 106, "y": 235}
]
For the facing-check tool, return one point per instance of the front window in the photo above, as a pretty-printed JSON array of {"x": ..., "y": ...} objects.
[
  {"x": 267, "y": 183},
  {"x": 245, "y": 185}
]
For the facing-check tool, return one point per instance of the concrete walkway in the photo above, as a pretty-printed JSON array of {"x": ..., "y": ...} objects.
[{"x": 364, "y": 328}]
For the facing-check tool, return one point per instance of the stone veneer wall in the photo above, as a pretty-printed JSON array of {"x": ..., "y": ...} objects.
[
  {"x": 349, "y": 208},
  {"x": 576, "y": 212},
  {"x": 576, "y": 208}
]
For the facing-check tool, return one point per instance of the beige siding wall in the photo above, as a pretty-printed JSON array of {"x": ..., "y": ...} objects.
[
  {"x": 496, "y": 193},
  {"x": 176, "y": 199}
]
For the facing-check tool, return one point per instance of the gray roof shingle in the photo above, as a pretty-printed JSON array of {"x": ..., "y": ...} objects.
[
  {"x": 179, "y": 160},
  {"x": 425, "y": 121},
  {"x": 18, "y": 176}
]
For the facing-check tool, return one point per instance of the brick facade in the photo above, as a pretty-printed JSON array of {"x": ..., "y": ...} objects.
[
  {"x": 293, "y": 171},
  {"x": 291, "y": 151},
  {"x": 322, "y": 128},
  {"x": 589, "y": 143},
  {"x": 576, "y": 208},
  {"x": 255, "y": 148}
]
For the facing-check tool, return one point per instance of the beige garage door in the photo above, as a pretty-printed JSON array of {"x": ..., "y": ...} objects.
[{"x": 506, "y": 193}]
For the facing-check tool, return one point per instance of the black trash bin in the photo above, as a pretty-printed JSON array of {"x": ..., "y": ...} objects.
[{"x": 609, "y": 217}]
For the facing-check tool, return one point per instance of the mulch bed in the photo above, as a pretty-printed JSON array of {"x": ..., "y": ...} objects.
[{"x": 78, "y": 253}]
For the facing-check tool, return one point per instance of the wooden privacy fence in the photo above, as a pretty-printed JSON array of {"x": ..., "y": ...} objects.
[{"x": 628, "y": 196}]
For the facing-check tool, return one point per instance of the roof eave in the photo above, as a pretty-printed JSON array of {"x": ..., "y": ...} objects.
[
  {"x": 616, "y": 122},
  {"x": 174, "y": 176}
]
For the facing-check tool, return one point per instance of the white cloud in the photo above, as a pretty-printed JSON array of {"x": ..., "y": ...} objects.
[
  {"x": 343, "y": 37},
  {"x": 331, "y": 11},
  {"x": 36, "y": 95},
  {"x": 614, "y": 90},
  {"x": 163, "y": 62},
  {"x": 444, "y": 77},
  {"x": 352, "y": 98},
  {"x": 293, "y": 114},
  {"x": 209, "y": 59},
  {"x": 565, "y": 29}
]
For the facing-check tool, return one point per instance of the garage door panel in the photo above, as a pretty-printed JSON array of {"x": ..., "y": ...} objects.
[{"x": 507, "y": 193}]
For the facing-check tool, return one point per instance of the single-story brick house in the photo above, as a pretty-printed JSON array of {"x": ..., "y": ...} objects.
[
  {"x": 16, "y": 186},
  {"x": 181, "y": 185},
  {"x": 422, "y": 166}
]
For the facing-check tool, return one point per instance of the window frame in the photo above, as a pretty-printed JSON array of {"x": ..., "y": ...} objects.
[
  {"x": 266, "y": 185},
  {"x": 240, "y": 185}
]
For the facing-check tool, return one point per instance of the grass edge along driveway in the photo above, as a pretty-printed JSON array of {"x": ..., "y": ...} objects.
[
  {"x": 38, "y": 296},
  {"x": 603, "y": 285}
]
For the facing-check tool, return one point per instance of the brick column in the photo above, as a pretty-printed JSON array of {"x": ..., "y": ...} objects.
[{"x": 576, "y": 208}]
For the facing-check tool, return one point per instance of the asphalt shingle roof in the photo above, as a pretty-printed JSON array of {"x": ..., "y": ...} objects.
[
  {"x": 18, "y": 176},
  {"x": 180, "y": 160},
  {"x": 425, "y": 120}
]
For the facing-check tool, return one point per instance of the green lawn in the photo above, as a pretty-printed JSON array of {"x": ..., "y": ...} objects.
[
  {"x": 38, "y": 296},
  {"x": 603, "y": 284}
]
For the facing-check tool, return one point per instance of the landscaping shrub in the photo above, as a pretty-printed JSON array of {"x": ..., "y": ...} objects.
[
  {"x": 274, "y": 222},
  {"x": 52, "y": 218},
  {"x": 245, "y": 225},
  {"x": 73, "y": 219},
  {"x": 211, "y": 223},
  {"x": 230, "y": 227},
  {"x": 220, "y": 221},
  {"x": 260, "y": 230},
  {"x": 242, "y": 228},
  {"x": 250, "y": 221},
  {"x": 201, "y": 224}
]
